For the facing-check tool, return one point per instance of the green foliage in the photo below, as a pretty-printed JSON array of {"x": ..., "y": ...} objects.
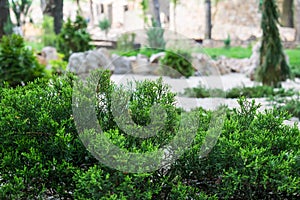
[
  {"x": 145, "y": 7},
  {"x": 40, "y": 149},
  {"x": 227, "y": 42},
  {"x": 290, "y": 105},
  {"x": 273, "y": 65},
  {"x": 104, "y": 25},
  {"x": 74, "y": 37},
  {"x": 155, "y": 37},
  {"x": 125, "y": 42},
  {"x": 256, "y": 156},
  {"x": 49, "y": 37},
  {"x": 249, "y": 92},
  {"x": 18, "y": 65},
  {"x": 58, "y": 67},
  {"x": 179, "y": 61}
]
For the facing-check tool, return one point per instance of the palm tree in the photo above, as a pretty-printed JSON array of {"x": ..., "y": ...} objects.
[{"x": 273, "y": 65}]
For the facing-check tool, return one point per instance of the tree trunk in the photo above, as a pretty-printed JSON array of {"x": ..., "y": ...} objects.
[
  {"x": 92, "y": 12},
  {"x": 57, "y": 13},
  {"x": 54, "y": 8},
  {"x": 4, "y": 16},
  {"x": 157, "y": 13},
  {"x": 208, "y": 19},
  {"x": 297, "y": 19}
]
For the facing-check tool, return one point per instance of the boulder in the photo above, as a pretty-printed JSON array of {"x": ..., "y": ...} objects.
[
  {"x": 85, "y": 62},
  {"x": 49, "y": 53},
  {"x": 122, "y": 64}
]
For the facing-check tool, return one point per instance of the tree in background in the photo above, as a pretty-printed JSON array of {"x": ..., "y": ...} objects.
[
  {"x": 297, "y": 19},
  {"x": 54, "y": 8},
  {"x": 157, "y": 13},
  {"x": 273, "y": 65},
  {"x": 4, "y": 16},
  {"x": 21, "y": 9},
  {"x": 208, "y": 25}
]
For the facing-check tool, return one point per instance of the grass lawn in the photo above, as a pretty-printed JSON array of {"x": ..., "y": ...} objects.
[{"x": 233, "y": 52}]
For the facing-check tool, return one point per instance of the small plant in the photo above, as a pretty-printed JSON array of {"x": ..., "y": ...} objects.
[
  {"x": 104, "y": 25},
  {"x": 126, "y": 42},
  {"x": 155, "y": 37},
  {"x": 227, "y": 42},
  {"x": 74, "y": 37},
  {"x": 179, "y": 62},
  {"x": 18, "y": 65}
]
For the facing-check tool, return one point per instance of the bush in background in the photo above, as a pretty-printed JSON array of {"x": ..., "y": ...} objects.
[
  {"x": 74, "y": 37},
  {"x": 18, "y": 65},
  {"x": 125, "y": 42},
  {"x": 179, "y": 61}
]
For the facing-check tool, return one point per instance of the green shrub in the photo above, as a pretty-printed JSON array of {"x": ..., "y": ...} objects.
[
  {"x": 39, "y": 147},
  {"x": 104, "y": 25},
  {"x": 74, "y": 37},
  {"x": 18, "y": 64},
  {"x": 179, "y": 61},
  {"x": 227, "y": 42},
  {"x": 256, "y": 157},
  {"x": 155, "y": 37},
  {"x": 41, "y": 154},
  {"x": 125, "y": 42}
]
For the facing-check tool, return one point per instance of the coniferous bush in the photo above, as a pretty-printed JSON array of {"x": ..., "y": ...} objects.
[
  {"x": 18, "y": 65},
  {"x": 42, "y": 154},
  {"x": 74, "y": 37},
  {"x": 273, "y": 65},
  {"x": 177, "y": 64}
]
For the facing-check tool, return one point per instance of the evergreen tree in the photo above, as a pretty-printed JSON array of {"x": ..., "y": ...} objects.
[{"x": 273, "y": 65}]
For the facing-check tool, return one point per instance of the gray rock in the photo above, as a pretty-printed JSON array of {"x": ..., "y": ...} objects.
[
  {"x": 122, "y": 64},
  {"x": 49, "y": 53},
  {"x": 85, "y": 62}
]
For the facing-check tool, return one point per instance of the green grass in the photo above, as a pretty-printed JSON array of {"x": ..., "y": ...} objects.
[
  {"x": 233, "y": 52},
  {"x": 294, "y": 55}
]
